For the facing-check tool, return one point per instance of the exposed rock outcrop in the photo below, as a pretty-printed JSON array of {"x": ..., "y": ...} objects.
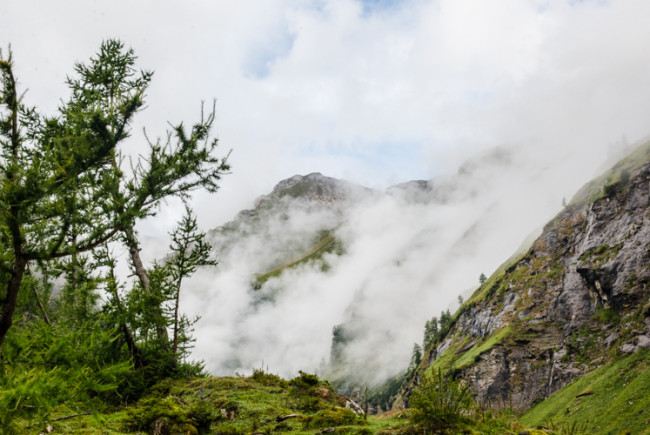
[{"x": 577, "y": 298}]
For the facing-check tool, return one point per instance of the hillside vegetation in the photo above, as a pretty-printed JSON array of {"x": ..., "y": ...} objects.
[
  {"x": 260, "y": 404},
  {"x": 612, "y": 399}
]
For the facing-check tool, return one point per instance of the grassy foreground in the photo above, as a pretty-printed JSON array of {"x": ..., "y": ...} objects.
[
  {"x": 613, "y": 399},
  {"x": 262, "y": 404}
]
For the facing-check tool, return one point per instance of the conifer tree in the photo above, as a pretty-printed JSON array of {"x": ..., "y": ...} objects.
[
  {"x": 43, "y": 162},
  {"x": 66, "y": 187},
  {"x": 430, "y": 332},
  {"x": 189, "y": 251}
]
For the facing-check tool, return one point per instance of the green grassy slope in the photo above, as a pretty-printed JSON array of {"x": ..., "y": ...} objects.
[
  {"x": 325, "y": 243},
  {"x": 613, "y": 399},
  {"x": 597, "y": 187}
]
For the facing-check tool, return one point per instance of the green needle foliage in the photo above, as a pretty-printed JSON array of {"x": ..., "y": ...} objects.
[{"x": 72, "y": 333}]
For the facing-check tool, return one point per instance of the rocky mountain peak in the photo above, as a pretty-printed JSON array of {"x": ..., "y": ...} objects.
[{"x": 315, "y": 188}]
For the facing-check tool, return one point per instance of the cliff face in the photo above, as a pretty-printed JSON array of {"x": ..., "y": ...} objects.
[{"x": 578, "y": 298}]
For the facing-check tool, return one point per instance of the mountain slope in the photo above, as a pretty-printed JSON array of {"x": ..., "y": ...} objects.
[
  {"x": 576, "y": 300},
  {"x": 289, "y": 225},
  {"x": 612, "y": 399}
]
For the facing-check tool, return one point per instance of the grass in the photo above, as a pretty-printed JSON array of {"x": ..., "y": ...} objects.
[
  {"x": 472, "y": 354},
  {"x": 598, "y": 187},
  {"x": 326, "y": 243},
  {"x": 229, "y": 405},
  {"x": 497, "y": 280},
  {"x": 613, "y": 399},
  {"x": 452, "y": 359},
  {"x": 245, "y": 405}
]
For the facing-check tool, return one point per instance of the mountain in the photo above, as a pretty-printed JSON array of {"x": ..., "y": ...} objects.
[
  {"x": 318, "y": 253},
  {"x": 289, "y": 223},
  {"x": 574, "y": 306}
]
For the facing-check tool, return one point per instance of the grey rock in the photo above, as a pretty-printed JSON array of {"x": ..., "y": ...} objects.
[
  {"x": 611, "y": 339},
  {"x": 591, "y": 257},
  {"x": 628, "y": 348},
  {"x": 643, "y": 341}
]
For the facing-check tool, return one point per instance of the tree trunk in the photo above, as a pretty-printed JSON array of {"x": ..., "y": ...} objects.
[
  {"x": 46, "y": 318},
  {"x": 134, "y": 350},
  {"x": 143, "y": 277},
  {"x": 13, "y": 288},
  {"x": 176, "y": 302}
]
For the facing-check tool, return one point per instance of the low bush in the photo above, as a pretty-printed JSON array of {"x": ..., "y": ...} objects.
[{"x": 440, "y": 403}]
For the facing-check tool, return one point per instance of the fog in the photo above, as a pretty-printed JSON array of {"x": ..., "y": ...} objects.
[
  {"x": 377, "y": 93},
  {"x": 408, "y": 254}
]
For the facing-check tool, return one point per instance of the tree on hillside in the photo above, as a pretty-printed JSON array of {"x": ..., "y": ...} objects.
[
  {"x": 66, "y": 186},
  {"x": 187, "y": 252},
  {"x": 430, "y": 333},
  {"x": 416, "y": 358}
]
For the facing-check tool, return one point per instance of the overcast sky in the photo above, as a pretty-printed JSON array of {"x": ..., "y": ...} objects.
[
  {"x": 374, "y": 91},
  {"x": 377, "y": 92}
]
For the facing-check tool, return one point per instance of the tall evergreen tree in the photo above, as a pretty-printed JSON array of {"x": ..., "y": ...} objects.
[
  {"x": 430, "y": 333},
  {"x": 65, "y": 185}
]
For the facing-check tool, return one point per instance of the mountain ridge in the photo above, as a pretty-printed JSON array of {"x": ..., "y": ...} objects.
[{"x": 578, "y": 299}]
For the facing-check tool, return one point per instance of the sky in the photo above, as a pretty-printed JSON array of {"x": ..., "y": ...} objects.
[{"x": 375, "y": 92}]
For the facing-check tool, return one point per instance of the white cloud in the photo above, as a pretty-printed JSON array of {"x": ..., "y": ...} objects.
[{"x": 328, "y": 85}]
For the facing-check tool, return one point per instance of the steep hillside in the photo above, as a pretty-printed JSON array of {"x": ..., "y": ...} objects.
[{"x": 578, "y": 299}]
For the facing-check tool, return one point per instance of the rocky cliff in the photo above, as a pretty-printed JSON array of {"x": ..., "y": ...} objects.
[{"x": 578, "y": 298}]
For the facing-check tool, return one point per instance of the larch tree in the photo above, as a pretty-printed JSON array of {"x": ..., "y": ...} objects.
[{"x": 65, "y": 185}]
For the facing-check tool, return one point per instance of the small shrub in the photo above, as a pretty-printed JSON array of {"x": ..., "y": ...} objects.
[
  {"x": 330, "y": 418},
  {"x": 440, "y": 403},
  {"x": 308, "y": 404},
  {"x": 268, "y": 379},
  {"x": 303, "y": 385},
  {"x": 610, "y": 189},
  {"x": 202, "y": 414},
  {"x": 305, "y": 380}
]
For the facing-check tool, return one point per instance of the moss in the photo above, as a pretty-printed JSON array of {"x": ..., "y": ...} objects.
[
  {"x": 630, "y": 283},
  {"x": 330, "y": 418},
  {"x": 600, "y": 254},
  {"x": 606, "y": 316},
  {"x": 153, "y": 411},
  {"x": 229, "y": 429}
]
